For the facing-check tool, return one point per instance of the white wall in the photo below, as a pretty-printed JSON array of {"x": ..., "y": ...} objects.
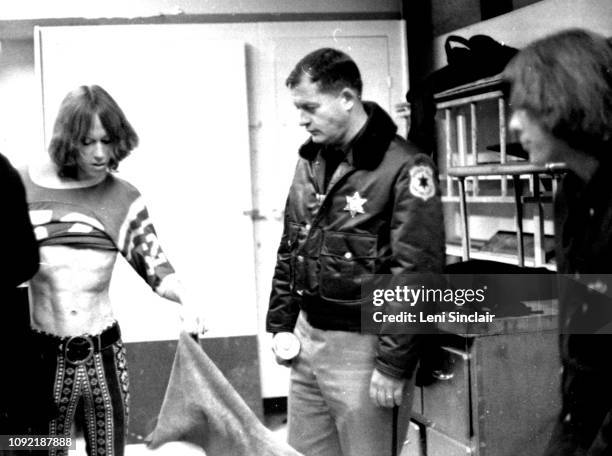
[
  {"x": 524, "y": 25},
  {"x": 20, "y": 133}
]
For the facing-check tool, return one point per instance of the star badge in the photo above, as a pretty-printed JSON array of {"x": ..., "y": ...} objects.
[
  {"x": 354, "y": 204},
  {"x": 422, "y": 182}
]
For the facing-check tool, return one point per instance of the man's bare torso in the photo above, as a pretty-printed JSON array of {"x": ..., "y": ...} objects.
[{"x": 69, "y": 294}]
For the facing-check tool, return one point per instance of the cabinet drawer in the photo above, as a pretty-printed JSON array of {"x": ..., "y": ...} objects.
[
  {"x": 446, "y": 402},
  {"x": 439, "y": 444}
]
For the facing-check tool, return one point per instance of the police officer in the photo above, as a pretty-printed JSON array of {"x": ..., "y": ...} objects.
[{"x": 363, "y": 201}]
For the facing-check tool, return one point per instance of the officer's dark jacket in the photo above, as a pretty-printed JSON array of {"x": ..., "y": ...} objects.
[{"x": 381, "y": 215}]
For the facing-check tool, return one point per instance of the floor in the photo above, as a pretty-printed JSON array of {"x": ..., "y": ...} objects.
[{"x": 275, "y": 419}]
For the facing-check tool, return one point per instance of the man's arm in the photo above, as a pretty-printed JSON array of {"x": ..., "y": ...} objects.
[
  {"x": 417, "y": 244},
  {"x": 20, "y": 259},
  {"x": 283, "y": 308},
  {"x": 142, "y": 250}
]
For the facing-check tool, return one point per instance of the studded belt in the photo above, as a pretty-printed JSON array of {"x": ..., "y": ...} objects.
[{"x": 79, "y": 349}]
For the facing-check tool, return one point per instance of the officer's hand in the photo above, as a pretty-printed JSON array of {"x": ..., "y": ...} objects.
[
  {"x": 282, "y": 362},
  {"x": 386, "y": 391},
  {"x": 285, "y": 347}
]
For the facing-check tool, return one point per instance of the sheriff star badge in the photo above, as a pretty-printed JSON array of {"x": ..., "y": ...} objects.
[{"x": 354, "y": 204}]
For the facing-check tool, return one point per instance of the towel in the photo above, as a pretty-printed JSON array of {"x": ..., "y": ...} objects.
[{"x": 201, "y": 407}]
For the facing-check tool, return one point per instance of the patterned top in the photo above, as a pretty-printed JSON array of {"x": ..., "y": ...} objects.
[{"x": 110, "y": 215}]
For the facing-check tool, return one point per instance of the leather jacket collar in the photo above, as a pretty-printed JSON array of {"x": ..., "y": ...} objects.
[{"x": 369, "y": 147}]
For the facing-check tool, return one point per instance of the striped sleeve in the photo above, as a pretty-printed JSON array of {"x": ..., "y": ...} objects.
[{"x": 139, "y": 245}]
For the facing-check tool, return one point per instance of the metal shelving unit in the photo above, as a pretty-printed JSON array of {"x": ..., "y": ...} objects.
[
  {"x": 507, "y": 180},
  {"x": 513, "y": 171}
]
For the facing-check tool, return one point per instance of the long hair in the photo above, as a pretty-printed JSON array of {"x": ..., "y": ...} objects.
[
  {"x": 564, "y": 81},
  {"x": 332, "y": 69},
  {"x": 74, "y": 121}
]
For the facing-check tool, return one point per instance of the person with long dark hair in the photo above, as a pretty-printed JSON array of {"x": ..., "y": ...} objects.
[
  {"x": 83, "y": 216},
  {"x": 561, "y": 94}
]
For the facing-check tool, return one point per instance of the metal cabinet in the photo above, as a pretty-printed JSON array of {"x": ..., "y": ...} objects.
[{"x": 499, "y": 395}]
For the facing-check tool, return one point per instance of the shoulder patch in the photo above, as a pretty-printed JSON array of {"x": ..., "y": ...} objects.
[{"x": 422, "y": 182}]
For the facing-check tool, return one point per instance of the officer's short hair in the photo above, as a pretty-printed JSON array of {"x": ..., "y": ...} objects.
[
  {"x": 564, "y": 81},
  {"x": 332, "y": 69}
]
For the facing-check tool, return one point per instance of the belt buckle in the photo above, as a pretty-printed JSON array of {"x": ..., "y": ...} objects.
[{"x": 80, "y": 342}]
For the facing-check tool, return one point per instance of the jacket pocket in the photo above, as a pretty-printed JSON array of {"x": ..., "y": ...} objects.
[{"x": 345, "y": 259}]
